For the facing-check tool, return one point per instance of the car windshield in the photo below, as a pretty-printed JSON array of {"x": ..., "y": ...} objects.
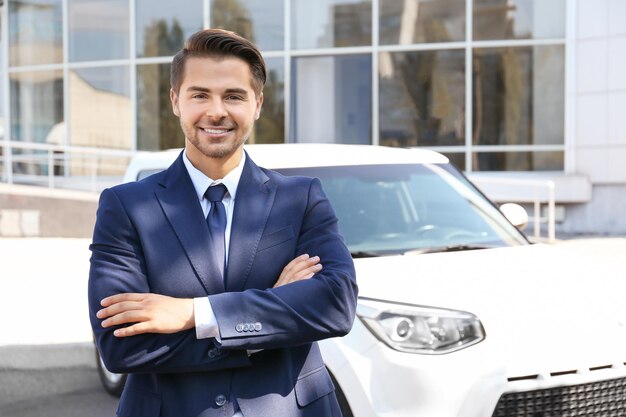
[{"x": 412, "y": 208}]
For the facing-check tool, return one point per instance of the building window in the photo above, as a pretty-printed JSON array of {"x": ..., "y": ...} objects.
[
  {"x": 35, "y": 32},
  {"x": 157, "y": 126},
  {"x": 405, "y": 22},
  {"x": 262, "y": 22},
  {"x": 422, "y": 97},
  {"x": 162, "y": 26},
  {"x": 98, "y": 30},
  {"x": 481, "y": 81},
  {"x": 330, "y": 23},
  {"x": 331, "y": 99}
]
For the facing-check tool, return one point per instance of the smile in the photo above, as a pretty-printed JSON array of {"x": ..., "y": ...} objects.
[{"x": 216, "y": 131}]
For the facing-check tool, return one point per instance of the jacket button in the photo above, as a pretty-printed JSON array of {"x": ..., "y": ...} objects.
[
  {"x": 213, "y": 353},
  {"x": 257, "y": 326},
  {"x": 220, "y": 400},
  {"x": 239, "y": 328},
  {"x": 246, "y": 327}
]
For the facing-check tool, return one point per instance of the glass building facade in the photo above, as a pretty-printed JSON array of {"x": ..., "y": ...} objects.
[{"x": 482, "y": 81}]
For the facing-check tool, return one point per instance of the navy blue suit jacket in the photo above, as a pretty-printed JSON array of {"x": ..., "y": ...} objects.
[{"x": 151, "y": 236}]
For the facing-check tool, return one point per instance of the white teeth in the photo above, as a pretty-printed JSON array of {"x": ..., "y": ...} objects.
[{"x": 215, "y": 131}]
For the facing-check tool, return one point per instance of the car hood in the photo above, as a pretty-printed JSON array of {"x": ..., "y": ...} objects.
[{"x": 543, "y": 307}]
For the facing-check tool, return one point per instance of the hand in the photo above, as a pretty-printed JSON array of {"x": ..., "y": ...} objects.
[
  {"x": 151, "y": 313},
  {"x": 302, "y": 267}
]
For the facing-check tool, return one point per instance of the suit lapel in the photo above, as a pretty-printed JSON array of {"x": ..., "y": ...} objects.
[
  {"x": 180, "y": 204},
  {"x": 253, "y": 203}
]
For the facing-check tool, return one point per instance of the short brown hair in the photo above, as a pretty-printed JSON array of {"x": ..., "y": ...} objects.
[{"x": 219, "y": 43}]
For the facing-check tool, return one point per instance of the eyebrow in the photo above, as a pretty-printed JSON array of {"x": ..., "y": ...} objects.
[{"x": 228, "y": 90}]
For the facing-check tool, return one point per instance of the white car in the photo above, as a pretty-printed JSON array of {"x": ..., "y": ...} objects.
[{"x": 458, "y": 315}]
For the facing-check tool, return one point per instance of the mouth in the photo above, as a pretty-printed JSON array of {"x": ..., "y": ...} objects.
[{"x": 216, "y": 130}]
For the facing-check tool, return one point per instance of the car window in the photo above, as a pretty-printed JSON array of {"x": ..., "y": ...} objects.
[
  {"x": 147, "y": 172},
  {"x": 394, "y": 209}
]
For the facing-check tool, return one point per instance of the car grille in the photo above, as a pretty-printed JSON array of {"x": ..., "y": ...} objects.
[{"x": 597, "y": 399}]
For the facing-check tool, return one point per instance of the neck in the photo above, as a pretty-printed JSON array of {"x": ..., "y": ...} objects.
[{"x": 214, "y": 168}]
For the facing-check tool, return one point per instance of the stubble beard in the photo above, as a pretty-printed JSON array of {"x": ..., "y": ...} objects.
[{"x": 214, "y": 150}]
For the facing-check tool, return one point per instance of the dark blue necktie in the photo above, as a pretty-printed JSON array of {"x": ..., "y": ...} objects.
[{"x": 216, "y": 220}]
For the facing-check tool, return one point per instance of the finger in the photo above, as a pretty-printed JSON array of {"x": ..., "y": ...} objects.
[
  {"x": 133, "y": 330},
  {"x": 137, "y": 316},
  {"x": 291, "y": 265},
  {"x": 118, "y": 308},
  {"x": 308, "y": 272},
  {"x": 302, "y": 265},
  {"x": 128, "y": 296},
  {"x": 294, "y": 262}
]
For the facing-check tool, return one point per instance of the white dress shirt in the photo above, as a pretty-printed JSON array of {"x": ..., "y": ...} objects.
[{"x": 206, "y": 324}]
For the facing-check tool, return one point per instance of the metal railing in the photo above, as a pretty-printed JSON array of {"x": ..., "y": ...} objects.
[
  {"x": 75, "y": 167},
  {"x": 521, "y": 190}
]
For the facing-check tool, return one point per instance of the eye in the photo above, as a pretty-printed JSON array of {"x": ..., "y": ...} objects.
[{"x": 234, "y": 97}]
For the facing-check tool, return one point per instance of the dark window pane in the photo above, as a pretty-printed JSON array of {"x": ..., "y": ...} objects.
[
  {"x": 519, "y": 19},
  {"x": 99, "y": 29},
  {"x": 457, "y": 159},
  {"x": 259, "y": 21},
  {"x": 414, "y": 21},
  {"x": 329, "y": 23},
  {"x": 100, "y": 107},
  {"x": 331, "y": 99},
  {"x": 270, "y": 128},
  {"x": 164, "y": 25},
  {"x": 422, "y": 98},
  {"x": 157, "y": 126},
  {"x": 517, "y": 161},
  {"x": 35, "y": 32},
  {"x": 519, "y": 95}
]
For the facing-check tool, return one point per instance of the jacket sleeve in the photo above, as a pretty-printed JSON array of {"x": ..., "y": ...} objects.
[
  {"x": 118, "y": 266},
  {"x": 300, "y": 312}
]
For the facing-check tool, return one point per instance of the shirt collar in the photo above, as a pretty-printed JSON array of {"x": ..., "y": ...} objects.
[{"x": 201, "y": 182}]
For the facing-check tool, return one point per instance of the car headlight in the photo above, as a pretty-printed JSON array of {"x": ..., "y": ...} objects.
[{"x": 416, "y": 329}]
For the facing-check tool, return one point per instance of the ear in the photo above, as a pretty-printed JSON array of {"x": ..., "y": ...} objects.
[
  {"x": 174, "y": 100},
  {"x": 259, "y": 104}
]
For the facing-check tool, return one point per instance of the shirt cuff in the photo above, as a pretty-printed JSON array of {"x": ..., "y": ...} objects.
[{"x": 206, "y": 323}]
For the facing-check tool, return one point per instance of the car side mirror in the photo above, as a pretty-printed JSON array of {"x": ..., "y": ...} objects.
[{"x": 516, "y": 214}]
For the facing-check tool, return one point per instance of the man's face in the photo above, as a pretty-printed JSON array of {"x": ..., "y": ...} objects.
[{"x": 216, "y": 106}]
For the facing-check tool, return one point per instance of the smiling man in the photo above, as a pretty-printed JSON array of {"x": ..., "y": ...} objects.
[{"x": 201, "y": 286}]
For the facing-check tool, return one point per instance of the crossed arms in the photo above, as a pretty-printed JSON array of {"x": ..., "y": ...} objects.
[{"x": 139, "y": 331}]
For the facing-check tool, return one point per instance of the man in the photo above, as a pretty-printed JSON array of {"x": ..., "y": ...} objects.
[{"x": 211, "y": 303}]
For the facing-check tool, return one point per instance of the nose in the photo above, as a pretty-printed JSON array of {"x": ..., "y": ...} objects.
[{"x": 215, "y": 110}]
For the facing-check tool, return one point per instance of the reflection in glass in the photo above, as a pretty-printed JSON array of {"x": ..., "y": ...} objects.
[
  {"x": 413, "y": 21},
  {"x": 518, "y": 161},
  {"x": 422, "y": 98},
  {"x": 36, "y": 105},
  {"x": 331, "y": 99},
  {"x": 98, "y": 29},
  {"x": 35, "y": 32},
  {"x": 330, "y": 23},
  {"x": 157, "y": 127},
  {"x": 519, "y": 96},
  {"x": 270, "y": 128},
  {"x": 164, "y": 25},
  {"x": 36, "y": 116},
  {"x": 100, "y": 107},
  {"x": 519, "y": 19},
  {"x": 259, "y": 21}
]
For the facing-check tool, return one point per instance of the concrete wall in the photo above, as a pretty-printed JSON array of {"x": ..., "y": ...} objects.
[{"x": 38, "y": 212}]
